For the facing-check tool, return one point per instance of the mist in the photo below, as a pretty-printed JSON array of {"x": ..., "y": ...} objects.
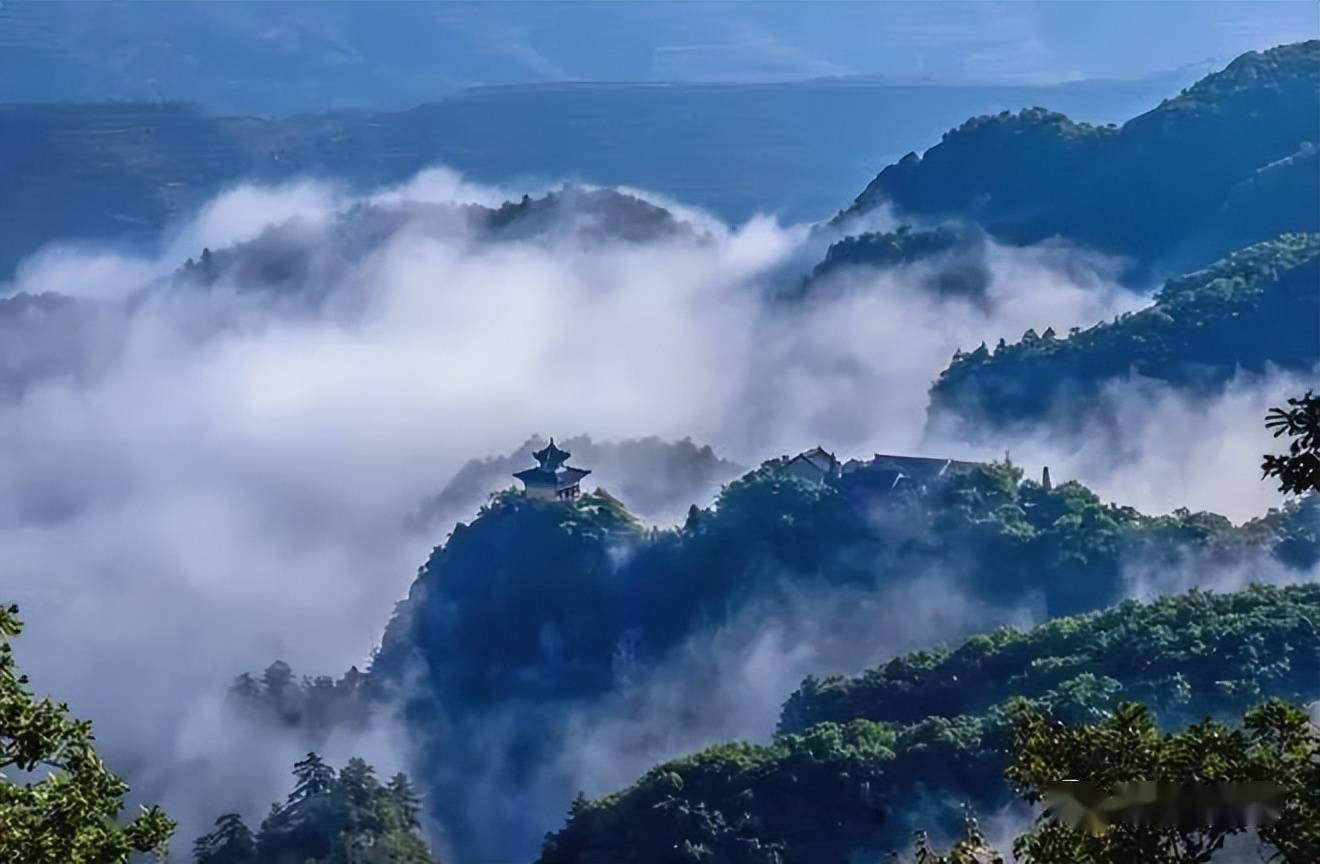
[{"x": 218, "y": 475}]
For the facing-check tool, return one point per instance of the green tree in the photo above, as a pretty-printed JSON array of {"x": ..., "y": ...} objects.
[
  {"x": 405, "y": 799},
  {"x": 1276, "y": 742},
  {"x": 231, "y": 842},
  {"x": 343, "y": 818},
  {"x": 359, "y": 794},
  {"x": 1298, "y": 470},
  {"x": 69, "y": 815},
  {"x": 313, "y": 776}
]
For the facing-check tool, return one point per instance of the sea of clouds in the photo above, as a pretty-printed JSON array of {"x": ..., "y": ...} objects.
[{"x": 226, "y": 474}]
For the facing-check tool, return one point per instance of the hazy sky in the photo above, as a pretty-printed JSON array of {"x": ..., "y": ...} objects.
[{"x": 231, "y": 53}]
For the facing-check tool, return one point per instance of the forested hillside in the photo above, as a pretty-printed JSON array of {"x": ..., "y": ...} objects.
[
  {"x": 481, "y": 610},
  {"x": 535, "y": 611},
  {"x": 862, "y": 761},
  {"x": 1182, "y": 184},
  {"x": 1256, "y": 309}
]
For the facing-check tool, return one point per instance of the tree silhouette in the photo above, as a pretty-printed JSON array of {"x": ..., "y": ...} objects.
[
  {"x": 230, "y": 843},
  {"x": 1298, "y": 470}
]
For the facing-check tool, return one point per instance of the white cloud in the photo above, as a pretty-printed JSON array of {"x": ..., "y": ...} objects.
[{"x": 233, "y": 483}]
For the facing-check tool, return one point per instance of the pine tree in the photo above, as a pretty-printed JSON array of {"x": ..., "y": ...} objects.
[
  {"x": 406, "y": 800},
  {"x": 358, "y": 792},
  {"x": 230, "y": 843},
  {"x": 314, "y": 778}
]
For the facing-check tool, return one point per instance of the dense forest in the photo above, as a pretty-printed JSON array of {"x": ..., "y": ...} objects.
[
  {"x": 1252, "y": 311},
  {"x": 863, "y": 762},
  {"x": 523, "y": 610},
  {"x": 1035, "y": 174},
  {"x": 329, "y": 817}
]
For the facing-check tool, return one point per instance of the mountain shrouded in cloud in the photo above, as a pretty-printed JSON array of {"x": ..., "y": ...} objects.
[
  {"x": 240, "y": 446},
  {"x": 902, "y": 745},
  {"x": 1251, "y": 312},
  {"x": 1196, "y": 162},
  {"x": 546, "y": 649},
  {"x": 144, "y": 166}
]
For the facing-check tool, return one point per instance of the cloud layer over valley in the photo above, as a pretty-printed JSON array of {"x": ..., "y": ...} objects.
[{"x": 211, "y": 468}]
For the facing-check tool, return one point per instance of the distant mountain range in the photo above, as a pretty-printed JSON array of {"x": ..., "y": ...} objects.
[
  {"x": 1227, "y": 162},
  {"x": 120, "y": 172}
]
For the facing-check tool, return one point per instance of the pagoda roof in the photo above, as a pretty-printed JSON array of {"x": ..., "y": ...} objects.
[
  {"x": 551, "y": 454},
  {"x": 562, "y": 479},
  {"x": 569, "y": 476}
]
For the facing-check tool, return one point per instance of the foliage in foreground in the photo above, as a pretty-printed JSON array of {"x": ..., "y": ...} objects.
[
  {"x": 58, "y": 802},
  {"x": 1276, "y": 742},
  {"x": 1298, "y": 470},
  {"x": 348, "y": 817}
]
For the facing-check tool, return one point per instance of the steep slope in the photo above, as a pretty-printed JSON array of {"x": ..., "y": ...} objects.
[
  {"x": 863, "y": 760},
  {"x": 1255, "y": 309},
  {"x": 1154, "y": 189},
  {"x": 535, "y": 615}
]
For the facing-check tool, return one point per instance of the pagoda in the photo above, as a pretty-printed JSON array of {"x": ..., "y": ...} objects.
[{"x": 552, "y": 480}]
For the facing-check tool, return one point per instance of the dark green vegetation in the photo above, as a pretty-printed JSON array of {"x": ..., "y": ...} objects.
[
  {"x": 1185, "y": 656},
  {"x": 122, "y": 171},
  {"x": 957, "y": 258},
  {"x": 1230, "y": 161},
  {"x": 58, "y": 803},
  {"x": 902, "y": 246},
  {"x": 348, "y": 817},
  {"x": 524, "y": 614},
  {"x": 523, "y": 568},
  {"x": 1255, "y": 309},
  {"x": 1298, "y": 470},
  {"x": 857, "y": 757},
  {"x": 1275, "y": 742}
]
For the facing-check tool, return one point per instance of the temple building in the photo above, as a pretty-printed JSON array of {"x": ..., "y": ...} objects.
[
  {"x": 820, "y": 467},
  {"x": 552, "y": 480},
  {"x": 814, "y": 466}
]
